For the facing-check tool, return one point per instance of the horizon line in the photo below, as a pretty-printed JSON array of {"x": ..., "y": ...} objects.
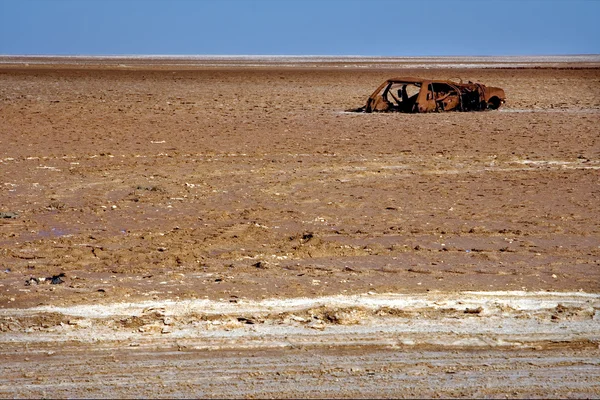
[{"x": 175, "y": 56}]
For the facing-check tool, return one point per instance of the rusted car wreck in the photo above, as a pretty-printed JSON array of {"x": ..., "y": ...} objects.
[{"x": 414, "y": 95}]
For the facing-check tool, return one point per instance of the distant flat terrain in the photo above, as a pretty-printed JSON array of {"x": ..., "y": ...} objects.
[{"x": 168, "y": 61}]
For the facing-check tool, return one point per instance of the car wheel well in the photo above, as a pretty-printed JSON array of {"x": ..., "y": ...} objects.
[{"x": 494, "y": 103}]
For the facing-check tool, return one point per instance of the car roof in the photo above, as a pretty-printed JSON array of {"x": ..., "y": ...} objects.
[{"x": 410, "y": 79}]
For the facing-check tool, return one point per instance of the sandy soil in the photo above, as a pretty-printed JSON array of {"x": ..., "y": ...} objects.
[{"x": 236, "y": 185}]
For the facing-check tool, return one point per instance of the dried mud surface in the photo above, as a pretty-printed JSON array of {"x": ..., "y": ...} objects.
[{"x": 246, "y": 184}]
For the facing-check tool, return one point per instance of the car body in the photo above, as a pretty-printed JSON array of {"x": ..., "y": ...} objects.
[{"x": 415, "y": 95}]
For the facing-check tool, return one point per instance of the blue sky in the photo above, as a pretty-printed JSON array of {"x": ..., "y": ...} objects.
[{"x": 294, "y": 27}]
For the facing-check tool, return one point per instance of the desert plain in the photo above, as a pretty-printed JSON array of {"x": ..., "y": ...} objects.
[{"x": 225, "y": 228}]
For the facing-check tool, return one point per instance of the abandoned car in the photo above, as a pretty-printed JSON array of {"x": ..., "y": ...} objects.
[{"x": 414, "y": 95}]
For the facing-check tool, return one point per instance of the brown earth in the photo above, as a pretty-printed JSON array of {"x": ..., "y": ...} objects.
[
  {"x": 253, "y": 182},
  {"x": 158, "y": 182}
]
